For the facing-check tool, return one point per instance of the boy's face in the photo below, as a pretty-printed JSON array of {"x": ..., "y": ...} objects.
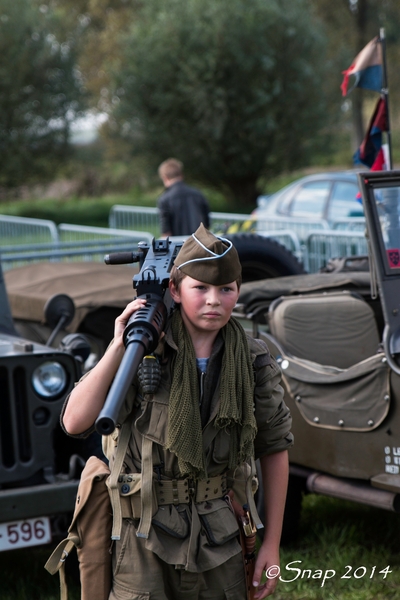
[{"x": 205, "y": 307}]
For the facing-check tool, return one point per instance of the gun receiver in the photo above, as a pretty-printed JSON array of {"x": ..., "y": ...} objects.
[{"x": 143, "y": 330}]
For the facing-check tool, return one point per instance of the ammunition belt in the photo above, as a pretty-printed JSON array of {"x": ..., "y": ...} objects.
[{"x": 170, "y": 491}]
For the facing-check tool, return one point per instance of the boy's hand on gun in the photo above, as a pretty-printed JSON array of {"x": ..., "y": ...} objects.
[{"x": 122, "y": 320}]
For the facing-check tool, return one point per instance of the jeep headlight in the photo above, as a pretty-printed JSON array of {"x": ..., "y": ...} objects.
[{"x": 49, "y": 380}]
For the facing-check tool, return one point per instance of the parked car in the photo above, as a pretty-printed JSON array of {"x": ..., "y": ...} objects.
[{"x": 325, "y": 196}]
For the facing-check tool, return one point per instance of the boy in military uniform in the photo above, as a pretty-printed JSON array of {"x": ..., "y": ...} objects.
[{"x": 217, "y": 406}]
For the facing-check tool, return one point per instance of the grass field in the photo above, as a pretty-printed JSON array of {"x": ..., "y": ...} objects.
[
  {"x": 344, "y": 549},
  {"x": 345, "y": 552}
]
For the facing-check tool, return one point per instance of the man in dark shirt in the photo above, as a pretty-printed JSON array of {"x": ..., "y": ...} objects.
[{"x": 181, "y": 208}]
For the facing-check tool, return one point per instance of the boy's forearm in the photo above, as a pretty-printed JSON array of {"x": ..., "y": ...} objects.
[
  {"x": 275, "y": 473},
  {"x": 88, "y": 397}
]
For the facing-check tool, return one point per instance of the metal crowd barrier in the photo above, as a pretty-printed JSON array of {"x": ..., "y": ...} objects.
[
  {"x": 353, "y": 224},
  {"x": 319, "y": 247},
  {"x": 16, "y": 256},
  {"x": 314, "y": 242},
  {"x": 84, "y": 233},
  {"x": 301, "y": 227},
  {"x": 139, "y": 218},
  {"x": 26, "y": 240},
  {"x": 22, "y": 230},
  {"x": 75, "y": 243},
  {"x": 287, "y": 238},
  {"x": 221, "y": 224},
  {"x": 146, "y": 219}
]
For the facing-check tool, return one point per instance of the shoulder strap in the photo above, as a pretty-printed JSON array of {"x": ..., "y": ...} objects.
[
  {"x": 123, "y": 441},
  {"x": 147, "y": 488},
  {"x": 146, "y": 484},
  {"x": 56, "y": 562}
]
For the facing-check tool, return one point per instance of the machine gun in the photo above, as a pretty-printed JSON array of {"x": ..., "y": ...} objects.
[{"x": 143, "y": 330}]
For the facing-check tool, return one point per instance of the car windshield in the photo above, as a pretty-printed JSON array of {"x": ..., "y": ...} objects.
[
  {"x": 310, "y": 200},
  {"x": 344, "y": 203},
  {"x": 283, "y": 197}
]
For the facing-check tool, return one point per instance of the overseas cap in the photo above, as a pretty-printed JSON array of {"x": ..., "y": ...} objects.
[{"x": 209, "y": 258}]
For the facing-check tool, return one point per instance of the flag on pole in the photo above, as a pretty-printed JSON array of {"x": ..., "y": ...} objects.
[
  {"x": 380, "y": 162},
  {"x": 369, "y": 152},
  {"x": 367, "y": 67}
]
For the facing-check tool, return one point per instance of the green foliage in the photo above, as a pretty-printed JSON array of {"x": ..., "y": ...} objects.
[
  {"x": 95, "y": 211},
  {"x": 41, "y": 91},
  {"x": 230, "y": 87}
]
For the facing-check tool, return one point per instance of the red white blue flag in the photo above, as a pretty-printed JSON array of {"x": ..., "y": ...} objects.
[
  {"x": 370, "y": 152},
  {"x": 367, "y": 69}
]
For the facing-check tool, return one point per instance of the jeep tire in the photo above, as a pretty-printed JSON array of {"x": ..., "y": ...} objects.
[{"x": 264, "y": 258}]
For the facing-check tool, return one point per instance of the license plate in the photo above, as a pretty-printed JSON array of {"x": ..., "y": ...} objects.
[{"x": 21, "y": 534}]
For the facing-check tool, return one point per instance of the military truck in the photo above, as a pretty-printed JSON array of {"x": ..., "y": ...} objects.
[{"x": 39, "y": 467}]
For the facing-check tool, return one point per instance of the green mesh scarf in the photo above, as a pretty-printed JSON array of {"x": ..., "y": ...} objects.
[{"x": 236, "y": 406}]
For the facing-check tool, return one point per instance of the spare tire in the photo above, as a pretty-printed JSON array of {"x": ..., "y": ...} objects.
[{"x": 264, "y": 258}]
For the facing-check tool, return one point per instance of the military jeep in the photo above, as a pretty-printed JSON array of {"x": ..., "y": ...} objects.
[
  {"x": 39, "y": 466},
  {"x": 336, "y": 336}
]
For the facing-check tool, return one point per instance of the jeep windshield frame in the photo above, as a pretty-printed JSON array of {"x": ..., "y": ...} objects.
[{"x": 381, "y": 200}]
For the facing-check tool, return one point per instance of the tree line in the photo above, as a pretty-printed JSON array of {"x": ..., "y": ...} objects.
[{"x": 240, "y": 90}]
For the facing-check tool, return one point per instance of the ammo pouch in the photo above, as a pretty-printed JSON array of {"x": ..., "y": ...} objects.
[
  {"x": 90, "y": 533},
  {"x": 218, "y": 521}
]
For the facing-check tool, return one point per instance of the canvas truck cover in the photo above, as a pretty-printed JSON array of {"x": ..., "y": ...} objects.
[
  {"x": 256, "y": 296},
  {"x": 89, "y": 284}
]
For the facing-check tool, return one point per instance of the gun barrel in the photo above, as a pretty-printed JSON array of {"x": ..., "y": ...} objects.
[
  {"x": 141, "y": 335},
  {"x": 107, "y": 419}
]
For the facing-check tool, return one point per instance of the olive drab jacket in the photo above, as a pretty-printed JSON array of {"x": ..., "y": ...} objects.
[{"x": 187, "y": 523}]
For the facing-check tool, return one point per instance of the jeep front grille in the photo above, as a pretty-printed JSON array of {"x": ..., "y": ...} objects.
[{"x": 15, "y": 438}]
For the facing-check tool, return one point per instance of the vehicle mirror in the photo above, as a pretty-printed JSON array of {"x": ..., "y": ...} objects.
[{"x": 59, "y": 311}]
